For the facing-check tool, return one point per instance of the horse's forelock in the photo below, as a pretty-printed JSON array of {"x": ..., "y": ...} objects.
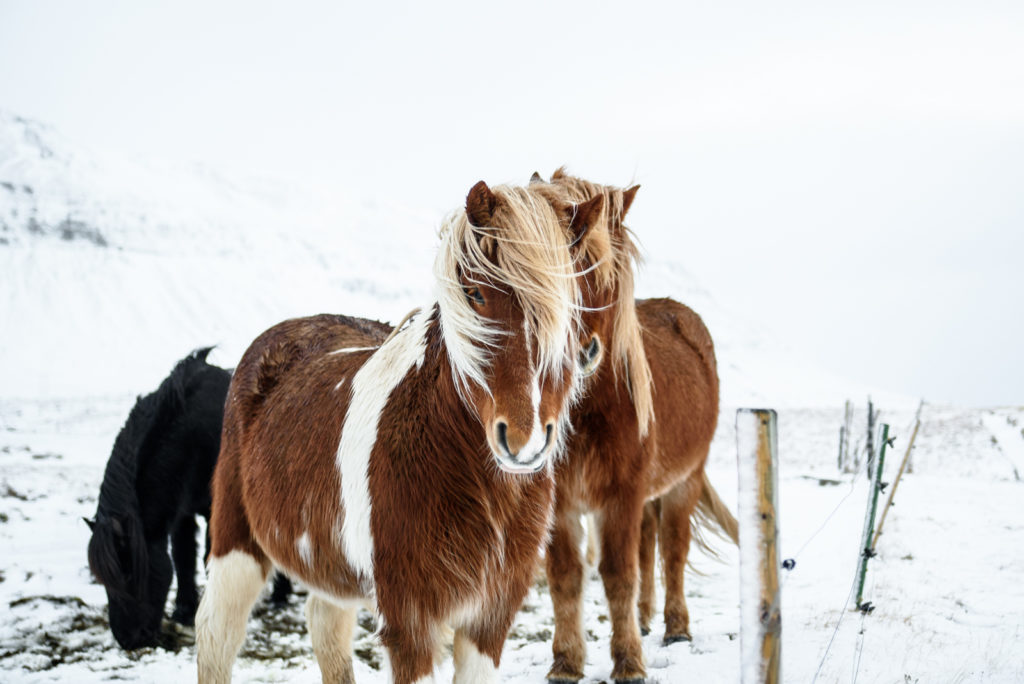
[
  {"x": 523, "y": 252},
  {"x": 615, "y": 255},
  {"x": 104, "y": 559}
]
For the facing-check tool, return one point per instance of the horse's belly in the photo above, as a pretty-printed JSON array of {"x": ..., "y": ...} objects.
[{"x": 321, "y": 566}]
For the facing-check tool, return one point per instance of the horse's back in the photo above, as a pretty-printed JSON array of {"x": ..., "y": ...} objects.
[
  {"x": 177, "y": 456},
  {"x": 292, "y": 342},
  {"x": 681, "y": 354}
]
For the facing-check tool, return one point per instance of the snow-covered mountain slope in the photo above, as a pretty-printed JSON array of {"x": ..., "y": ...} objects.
[{"x": 113, "y": 269}]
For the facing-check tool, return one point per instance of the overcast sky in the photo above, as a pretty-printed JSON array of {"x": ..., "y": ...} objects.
[{"x": 849, "y": 177}]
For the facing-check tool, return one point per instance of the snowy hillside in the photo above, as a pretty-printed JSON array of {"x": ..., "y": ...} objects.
[{"x": 114, "y": 268}]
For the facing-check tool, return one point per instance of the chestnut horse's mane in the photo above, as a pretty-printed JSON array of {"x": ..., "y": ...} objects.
[
  {"x": 614, "y": 256},
  {"x": 529, "y": 255}
]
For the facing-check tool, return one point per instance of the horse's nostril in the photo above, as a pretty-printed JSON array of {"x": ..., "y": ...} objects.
[
  {"x": 502, "y": 429},
  {"x": 593, "y": 348},
  {"x": 549, "y": 435}
]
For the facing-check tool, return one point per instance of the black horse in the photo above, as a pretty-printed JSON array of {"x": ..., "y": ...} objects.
[{"x": 156, "y": 482}]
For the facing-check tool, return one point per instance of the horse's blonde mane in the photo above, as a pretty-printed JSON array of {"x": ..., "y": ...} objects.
[
  {"x": 614, "y": 254},
  {"x": 522, "y": 251}
]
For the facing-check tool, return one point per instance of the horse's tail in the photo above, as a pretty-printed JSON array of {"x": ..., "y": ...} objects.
[{"x": 712, "y": 515}]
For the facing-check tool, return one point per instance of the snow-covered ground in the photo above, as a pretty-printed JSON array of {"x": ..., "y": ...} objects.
[
  {"x": 112, "y": 270},
  {"x": 948, "y": 581}
]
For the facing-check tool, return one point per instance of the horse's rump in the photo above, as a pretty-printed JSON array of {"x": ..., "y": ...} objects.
[{"x": 681, "y": 356}]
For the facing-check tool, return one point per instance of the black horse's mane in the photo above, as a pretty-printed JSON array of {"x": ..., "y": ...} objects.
[{"x": 118, "y": 516}]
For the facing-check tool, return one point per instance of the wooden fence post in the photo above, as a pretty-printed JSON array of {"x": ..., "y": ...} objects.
[
  {"x": 917, "y": 420},
  {"x": 895, "y": 483},
  {"x": 844, "y": 438},
  {"x": 760, "y": 616}
]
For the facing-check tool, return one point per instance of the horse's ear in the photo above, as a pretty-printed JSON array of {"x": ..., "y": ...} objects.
[
  {"x": 480, "y": 203},
  {"x": 585, "y": 216},
  {"x": 535, "y": 178},
  {"x": 91, "y": 524},
  {"x": 559, "y": 173},
  {"x": 628, "y": 196}
]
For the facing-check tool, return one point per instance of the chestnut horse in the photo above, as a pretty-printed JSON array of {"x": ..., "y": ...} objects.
[
  {"x": 413, "y": 473},
  {"x": 642, "y": 431}
]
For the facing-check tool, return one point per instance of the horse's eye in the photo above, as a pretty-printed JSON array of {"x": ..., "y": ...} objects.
[{"x": 474, "y": 295}]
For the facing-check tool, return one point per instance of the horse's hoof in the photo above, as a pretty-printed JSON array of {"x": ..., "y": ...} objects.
[
  {"x": 644, "y": 631},
  {"x": 562, "y": 680},
  {"x": 675, "y": 639},
  {"x": 632, "y": 680}
]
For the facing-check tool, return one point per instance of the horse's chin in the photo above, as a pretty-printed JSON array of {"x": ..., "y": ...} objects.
[{"x": 532, "y": 467}]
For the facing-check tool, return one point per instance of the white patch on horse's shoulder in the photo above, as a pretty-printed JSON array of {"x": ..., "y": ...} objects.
[
  {"x": 305, "y": 549},
  {"x": 371, "y": 388}
]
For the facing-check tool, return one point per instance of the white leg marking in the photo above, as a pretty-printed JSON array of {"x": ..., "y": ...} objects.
[
  {"x": 472, "y": 666},
  {"x": 371, "y": 388},
  {"x": 429, "y": 679},
  {"x": 331, "y": 628},
  {"x": 235, "y": 582}
]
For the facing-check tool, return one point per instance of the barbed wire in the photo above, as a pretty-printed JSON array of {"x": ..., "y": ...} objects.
[{"x": 842, "y": 614}]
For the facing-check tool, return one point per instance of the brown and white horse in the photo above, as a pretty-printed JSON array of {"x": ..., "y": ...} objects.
[
  {"x": 410, "y": 471},
  {"x": 642, "y": 432}
]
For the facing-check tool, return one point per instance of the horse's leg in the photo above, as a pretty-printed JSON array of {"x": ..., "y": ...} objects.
[
  {"x": 234, "y": 582},
  {"x": 676, "y": 508},
  {"x": 476, "y": 660},
  {"x": 183, "y": 552},
  {"x": 282, "y": 589},
  {"x": 648, "y": 538},
  {"x": 565, "y": 581},
  {"x": 331, "y": 628},
  {"x": 411, "y": 653},
  {"x": 620, "y": 548}
]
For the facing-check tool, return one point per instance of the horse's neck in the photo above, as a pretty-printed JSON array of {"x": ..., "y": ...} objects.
[
  {"x": 442, "y": 405},
  {"x": 427, "y": 402},
  {"x": 607, "y": 391}
]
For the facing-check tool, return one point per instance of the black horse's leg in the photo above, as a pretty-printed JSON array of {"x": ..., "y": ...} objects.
[
  {"x": 183, "y": 551},
  {"x": 282, "y": 589}
]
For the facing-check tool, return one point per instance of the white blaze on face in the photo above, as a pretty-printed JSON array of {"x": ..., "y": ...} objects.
[
  {"x": 371, "y": 388},
  {"x": 538, "y": 436}
]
